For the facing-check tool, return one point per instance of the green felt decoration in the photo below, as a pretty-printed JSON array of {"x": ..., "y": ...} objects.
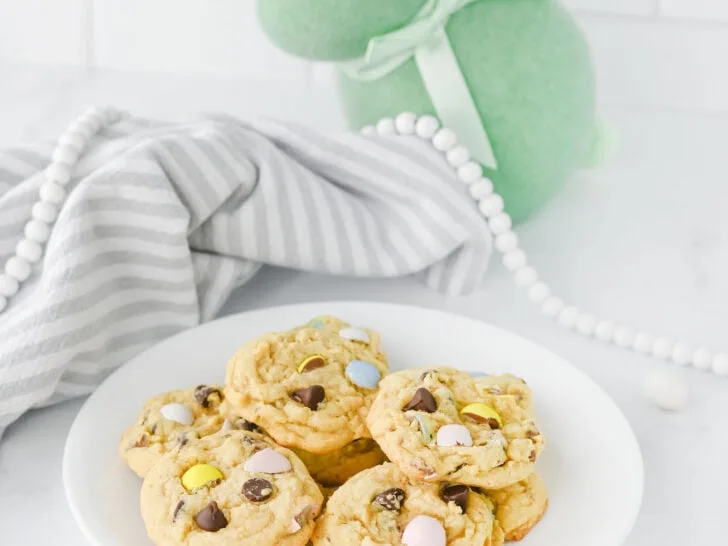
[{"x": 526, "y": 63}]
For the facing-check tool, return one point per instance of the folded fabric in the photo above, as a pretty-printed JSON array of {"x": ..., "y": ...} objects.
[{"x": 163, "y": 221}]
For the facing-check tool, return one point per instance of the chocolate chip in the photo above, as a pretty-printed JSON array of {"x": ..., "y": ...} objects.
[
  {"x": 257, "y": 489},
  {"x": 457, "y": 494},
  {"x": 206, "y": 395},
  {"x": 422, "y": 401},
  {"x": 492, "y": 422},
  {"x": 142, "y": 441},
  {"x": 211, "y": 518},
  {"x": 312, "y": 363},
  {"x": 153, "y": 429},
  {"x": 244, "y": 424},
  {"x": 310, "y": 397},
  {"x": 182, "y": 442},
  {"x": 532, "y": 456},
  {"x": 177, "y": 508},
  {"x": 391, "y": 499}
]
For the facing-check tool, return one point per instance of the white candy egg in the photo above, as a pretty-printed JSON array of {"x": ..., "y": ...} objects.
[{"x": 179, "y": 413}]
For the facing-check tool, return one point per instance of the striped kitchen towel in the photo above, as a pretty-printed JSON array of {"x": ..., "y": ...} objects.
[{"x": 163, "y": 221}]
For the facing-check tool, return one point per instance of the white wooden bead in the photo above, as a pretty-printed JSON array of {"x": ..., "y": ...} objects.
[
  {"x": 491, "y": 205},
  {"x": 444, "y": 140},
  {"x": 720, "y": 364},
  {"x": 44, "y": 212},
  {"x": 604, "y": 330},
  {"x": 586, "y": 324},
  {"x": 426, "y": 127},
  {"x": 515, "y": 259},
  {"x": 405, "y": 123},
  {"x": 37, "y": 231},
  {"x": 65, "y": 154},
  {"x": 552, "y": 306},
  {"x": 8, "y": 285},
  {"x": 481, "y": 188},
  {"x": 568, "y": 316},
  {"x": 458, "y": 155},
  {"x": 500, "y": 223},
  {"x": 386, "y": 126},
  {"x": 662, "y": 348},
  {"x": 623, "y": 337},
  {"x": 526, "y": 277},
  {"x": 470, "y": 172},
  {"x": 368, "y": 130},
  {"x": 505, "y": 242},
  {"x": 3, "y": 303},
  {"x": 72, "y": 140},
  {"x": 60, "y": 173},
  {"x": 681, "y": 354},
  {"x": 702, "y": 359},
  {"x": 643, "y": 342},
  {"x": 30, "y": 250},
  {"x": 50, "y": 192},
  {"x": 539, "y": 292},
  {"x": 666, "y": 390},
  {"x": 18, "y": 267}
]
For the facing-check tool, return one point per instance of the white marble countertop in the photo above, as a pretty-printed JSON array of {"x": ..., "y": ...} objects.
[{"x": 644, "y": 240}]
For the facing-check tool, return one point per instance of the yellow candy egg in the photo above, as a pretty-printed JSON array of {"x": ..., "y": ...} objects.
[
  {"x": 482, "y": 413},
  {"x": 200, "y": 475}
]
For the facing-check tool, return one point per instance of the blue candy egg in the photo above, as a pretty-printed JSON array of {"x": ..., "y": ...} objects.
[
  {"x": 315, "y": 323},
  {"x": 478, "y": 374},
  {"x": 363, "y": 374}
]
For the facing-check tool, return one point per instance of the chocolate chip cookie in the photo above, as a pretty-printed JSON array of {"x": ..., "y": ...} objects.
[
  {"x": 520, "y": 506},
  {"x": 444, "y": 425},
  {"x": 230, "y": 488},
  {"x": 168, "y": 422},
  {"x": 333, "y": 469},
  {"x": 310, "y": 387}
]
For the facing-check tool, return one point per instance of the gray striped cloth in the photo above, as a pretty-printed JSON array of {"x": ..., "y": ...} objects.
[{"x": 163, "y": 221}]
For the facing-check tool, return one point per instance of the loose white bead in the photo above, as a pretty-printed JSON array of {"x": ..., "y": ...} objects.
[
  {"x": 72, "y": 140},
  {"x": 368, "y": 130},
  {"x": 491, "y": 205},
  {"x": 60, "y": 173},
  {"x": 586, "y": 324},
  {"x": 18, "y": 267},
  {"x": 526, "y": 276},
  {"x": 604, "y": 330},
  {"x": 623, "y": 337},
  {"x": 470, "y": 172},
  {"x": 720, "y": 364},
  {"x": 662, "y": 348},
  {"x": 539, "y": 292},
  {"x": 458, "y": 155},
  {"x": 702, "y": 359},
  {"x": 8, "y": 285},
  {"x": 405, "y": 123},
  {"x": 552, "y": 306},
  {"x": 643, "y": 342},
  {"x": 426, "y": 127},
  {"x": 506, "y": 242},
  {"x": 500, "y": 223},
  {"x": 666, "y": 390},
  {"x": 568, "y": 317},
  {"x": 44, "y": 212},
  {"x": 444, "y": 140},
  {"x": 37, "y": 231},
  {"x": 386, "y": 126},
  {"x": 65, "y": 154},
  {"x": 681, "y": 354},
  {"x": 515, "y": 259},
  {"x": 30, "y": 250},
  {"x": 51, "y": 192},
  {"x": 3, "y": 303},
  {"x": 481, "y": 188}
]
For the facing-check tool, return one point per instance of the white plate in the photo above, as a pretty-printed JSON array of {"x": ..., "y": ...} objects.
[{"x": 592, "y": 464}]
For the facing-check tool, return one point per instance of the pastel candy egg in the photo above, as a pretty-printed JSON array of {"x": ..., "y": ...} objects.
[
  {"x": 478, "y": 374},
  {"x": 454, "y": 435},
  {"x": 179, "y": 413},
  {"x": 482, "y": 413},
  {"x": 354, "y": 334},
  {"x": 267, "y": 461},
  {"x": 363, "y": 374},
  {"x": 200, "y": 475},
  {"x": 425, "y": 427},
  {"x": 424, "y": 531}
]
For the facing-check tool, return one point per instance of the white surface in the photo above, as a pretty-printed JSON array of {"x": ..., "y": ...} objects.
[
  {"x": 584, "y": 474},
  {"x": 644, "y": 240},
  {"x": 713, "y": 10}
]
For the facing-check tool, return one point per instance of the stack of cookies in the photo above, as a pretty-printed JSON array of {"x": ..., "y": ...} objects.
[{"x": 422, "y": 457}]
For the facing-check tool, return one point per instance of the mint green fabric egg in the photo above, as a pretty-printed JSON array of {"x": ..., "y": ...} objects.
[{"x": 525, "y": 62}]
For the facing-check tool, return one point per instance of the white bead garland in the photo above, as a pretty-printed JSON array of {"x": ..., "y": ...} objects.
[
  {"x": 52, "y": 195},
  {"x": 492, "y": 207}
]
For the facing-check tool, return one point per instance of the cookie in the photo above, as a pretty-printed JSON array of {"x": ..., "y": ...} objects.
[
  {"x": 521, "y": 506},
  {"x": 333, "y": 469},
  {"x": 168, "y": 422},
  {"x": 382, "y": 506},
  {"x": 230, "y": 488},
  {"x": 444, "y": 425},
  {"x": 310, "y": 387}
]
